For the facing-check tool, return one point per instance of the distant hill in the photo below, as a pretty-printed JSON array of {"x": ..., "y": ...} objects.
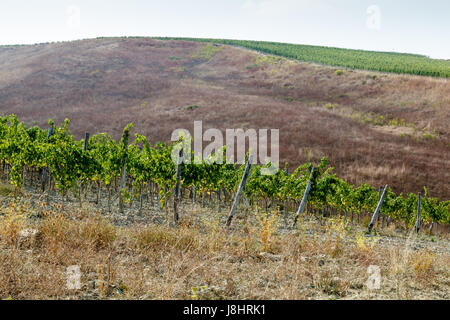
[{"x": 374, "y": 127}]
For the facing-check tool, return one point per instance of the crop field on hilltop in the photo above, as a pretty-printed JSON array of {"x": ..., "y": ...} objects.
[{"x": 354, "y": 59}]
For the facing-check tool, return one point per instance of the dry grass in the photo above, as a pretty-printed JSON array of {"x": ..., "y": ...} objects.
[
  {"x": 6, "y": 189},
  {"x": 203, "y": 261}
]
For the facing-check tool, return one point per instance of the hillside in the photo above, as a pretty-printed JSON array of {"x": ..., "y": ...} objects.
[{"x": 373, "y": 127}]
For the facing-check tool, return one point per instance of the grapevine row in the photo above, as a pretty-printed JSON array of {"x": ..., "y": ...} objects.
[{"x": 101, "y": 164}]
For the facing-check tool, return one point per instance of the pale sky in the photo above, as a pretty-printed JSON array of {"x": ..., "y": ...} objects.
[{"x": 383, "y": 25}]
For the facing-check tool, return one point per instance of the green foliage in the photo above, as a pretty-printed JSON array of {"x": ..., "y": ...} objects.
[
  {"x": 191, "y": 107},
  {"x": 207, "y": 52},
  {"x": 252, "y": 66},
  {"x": 102, "y": 163},
  {"x": 353, "y": 59}
]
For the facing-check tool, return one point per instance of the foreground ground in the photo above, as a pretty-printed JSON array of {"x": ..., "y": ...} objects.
[{"x": 143, "y": 257}]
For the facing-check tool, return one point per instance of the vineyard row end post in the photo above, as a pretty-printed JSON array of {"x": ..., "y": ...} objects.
[
  {"x": 380, "y": 192},
  {"x": 177, "y": 187},
  {"x": 241, "y": 188},
  {"x": 123, "y": 176},
  {"x": 86, "y": 141},
  {"x": 46, "y": 171},
  {"x": 377, "y": 210},
  {"x": 417, "y": 225},
  {"x": 304, "y": 199}
]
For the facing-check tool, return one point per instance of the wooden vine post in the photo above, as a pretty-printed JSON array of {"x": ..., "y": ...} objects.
[
  {"x": 377, "y": 210},
  {"x": 177, "y": 187},
  {"x": 81, "y": 185},
  {"x": 380, "y": 216},
  {"x": 123, "y": 176},
  {"x": 286, "y": 202},
  {"x": 304, "y": 199},
  {"x": 417, "y": 226},
  {"x": 86, "y": 141},
  {"x": 46, "y": 171},
  {"x": 239, "y": 192}
]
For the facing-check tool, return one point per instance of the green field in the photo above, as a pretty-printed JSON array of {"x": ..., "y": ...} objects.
[{"x": 354, "y": 59}]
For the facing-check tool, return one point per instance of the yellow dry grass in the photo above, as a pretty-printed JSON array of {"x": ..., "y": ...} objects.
[{"x": 199, "y": 259}]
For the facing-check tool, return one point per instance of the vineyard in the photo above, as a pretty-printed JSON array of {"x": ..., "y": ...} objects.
[
  {"x": 53, "y": 158},
  {"x": 401, "y": 63}
]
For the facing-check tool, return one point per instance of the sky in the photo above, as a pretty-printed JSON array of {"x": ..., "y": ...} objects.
[{"x": 412, "y": 26}]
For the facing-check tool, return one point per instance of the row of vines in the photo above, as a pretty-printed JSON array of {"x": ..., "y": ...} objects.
[{"x": 99, "y": 163}]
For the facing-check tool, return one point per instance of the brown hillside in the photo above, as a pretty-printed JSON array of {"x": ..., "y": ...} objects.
[{"x": 373, "y": 127}]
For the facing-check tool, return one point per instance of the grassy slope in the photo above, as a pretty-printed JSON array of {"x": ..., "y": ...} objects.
[{"x": 374, "y": 128}]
